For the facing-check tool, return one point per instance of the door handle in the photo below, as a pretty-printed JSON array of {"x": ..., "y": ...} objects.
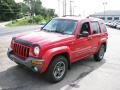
[
  {"x": 89, "y": 38},
  {"x": 103, "y": 35}
]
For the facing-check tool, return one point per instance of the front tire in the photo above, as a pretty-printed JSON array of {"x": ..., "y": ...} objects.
[
  {"x": 100, "y": 54},
  {"x": 57, "y": 69}
]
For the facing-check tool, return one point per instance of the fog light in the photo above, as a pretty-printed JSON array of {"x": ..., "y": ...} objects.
[
  {"x": 36, "y": 69},
  {"x": 37, "y": 62}
]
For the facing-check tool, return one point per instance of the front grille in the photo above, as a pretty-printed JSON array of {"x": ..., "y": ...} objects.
[{"x": 20, "y": 50}]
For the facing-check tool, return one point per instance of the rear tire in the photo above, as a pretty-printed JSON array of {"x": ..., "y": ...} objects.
[
  {"x": 57, "y": 69},
  {"x": 100, "y": 54}
]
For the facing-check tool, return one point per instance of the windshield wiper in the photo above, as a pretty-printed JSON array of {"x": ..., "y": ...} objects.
[
  {"x": 47, "y": 30},
  {"x": 57, "y": 31}
]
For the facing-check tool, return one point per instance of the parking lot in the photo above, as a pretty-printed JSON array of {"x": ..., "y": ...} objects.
[
  {"x": 114, "y": 24},
  {"x": 14, "y": 77}
]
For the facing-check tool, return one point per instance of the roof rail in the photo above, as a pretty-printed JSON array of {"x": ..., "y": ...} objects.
[{"x": 69, "y": 15}]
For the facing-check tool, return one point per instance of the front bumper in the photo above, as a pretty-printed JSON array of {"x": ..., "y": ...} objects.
[{"x": 27, "y": 62}]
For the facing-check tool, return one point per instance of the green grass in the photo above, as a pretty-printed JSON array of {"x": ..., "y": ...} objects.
[
  {"x": 18, "y": 23},
  {"x": 36, "y": 20}
]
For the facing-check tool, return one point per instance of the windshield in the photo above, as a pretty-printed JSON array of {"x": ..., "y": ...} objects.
[{"x": 63, "y": 26}]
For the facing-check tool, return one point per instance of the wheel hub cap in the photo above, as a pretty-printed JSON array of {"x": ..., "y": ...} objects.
[{"x": 59, "y": 70}]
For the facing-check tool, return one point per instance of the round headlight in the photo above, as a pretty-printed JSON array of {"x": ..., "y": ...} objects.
[{"x": 36, "y": 50}]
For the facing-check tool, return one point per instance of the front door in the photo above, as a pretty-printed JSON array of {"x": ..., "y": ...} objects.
[{"x": 83, "y": 44}]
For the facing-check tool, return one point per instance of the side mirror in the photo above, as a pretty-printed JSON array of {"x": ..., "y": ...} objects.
[
  {"x": 84, "y": 34},
  {"x": 94, "y": 32}
]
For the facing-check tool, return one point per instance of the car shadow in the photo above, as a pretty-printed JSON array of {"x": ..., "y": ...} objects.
[{"x": 21, "y": 78}]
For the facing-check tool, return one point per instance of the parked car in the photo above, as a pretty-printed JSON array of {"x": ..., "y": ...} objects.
[
  {"x": 108, "y": 23},
  {"x": 115, "y": 24},
  {"x": 59, "y": 43},
  {"x": 118, "y": 26}
]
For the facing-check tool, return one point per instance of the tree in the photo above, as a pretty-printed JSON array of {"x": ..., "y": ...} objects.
[
  {"x": 34, "y": 6},
  {"x": 24, "y": 8},
  {"x": 37, "y": 7},
  {"x": 9, "y": 10},
  {"x": 47, "y": 13}
]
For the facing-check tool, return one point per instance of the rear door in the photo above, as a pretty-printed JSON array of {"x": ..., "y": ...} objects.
[
  {"x": 104, "y": 33},
  {"x": 96, "y": 35}
]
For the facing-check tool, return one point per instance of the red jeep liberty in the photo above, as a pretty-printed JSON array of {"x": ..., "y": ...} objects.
[{"x": 59, "y": 43}]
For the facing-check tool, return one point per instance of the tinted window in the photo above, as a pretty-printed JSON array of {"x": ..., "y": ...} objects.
[
  {"x": 116, "y": 18},
  {"x": 109, "y": 18},
  {"x": 95, "y": 26},
  {"x": 85, "y": 27},
  {"x": 103, "y": 18}
]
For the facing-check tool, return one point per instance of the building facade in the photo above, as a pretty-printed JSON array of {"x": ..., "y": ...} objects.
[{"x": 108, "y": 16}]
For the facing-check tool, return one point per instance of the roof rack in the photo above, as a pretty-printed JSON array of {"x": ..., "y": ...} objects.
[{"x": 70, "y": 15}]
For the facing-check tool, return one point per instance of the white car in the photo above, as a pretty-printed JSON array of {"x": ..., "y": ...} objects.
[{"x": 118, "y": 26}]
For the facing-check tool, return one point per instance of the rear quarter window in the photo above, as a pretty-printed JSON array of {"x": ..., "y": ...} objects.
[
  {"x": 103, "y": 27},
  {"x": 95, "y": 27}
]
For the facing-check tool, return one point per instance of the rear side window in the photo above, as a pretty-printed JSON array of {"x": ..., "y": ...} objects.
[
  {"x": 95, "y": 27},
  {"x": 103, "y": 27}
]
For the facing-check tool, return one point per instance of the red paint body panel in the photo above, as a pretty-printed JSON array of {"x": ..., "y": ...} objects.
[{"x": 52, "y": 43}]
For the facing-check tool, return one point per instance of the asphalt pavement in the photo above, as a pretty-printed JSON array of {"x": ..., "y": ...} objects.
[
  {"x": 14, "y": 77},
  {"x": 107, "y": 76},
  {"x": 15, "y": 30}
]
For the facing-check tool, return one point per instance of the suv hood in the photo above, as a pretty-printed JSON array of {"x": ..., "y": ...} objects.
[{"x": 42, "y": 37}]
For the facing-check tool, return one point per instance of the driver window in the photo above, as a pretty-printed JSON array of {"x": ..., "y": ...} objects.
[{"x": 85, "y": 27}]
